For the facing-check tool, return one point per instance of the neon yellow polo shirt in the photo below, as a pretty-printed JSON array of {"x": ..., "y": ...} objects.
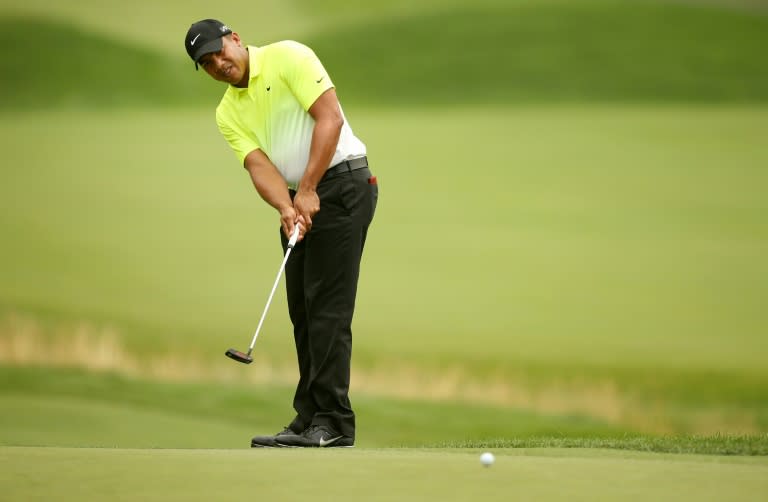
[{"x": 285, "y": 79}]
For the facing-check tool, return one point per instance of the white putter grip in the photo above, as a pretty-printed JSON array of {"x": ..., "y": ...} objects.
[{"x": 294, "y": 236}]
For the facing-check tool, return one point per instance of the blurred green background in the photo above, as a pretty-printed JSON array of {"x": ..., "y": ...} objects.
[{"x": 571, "y": 237}]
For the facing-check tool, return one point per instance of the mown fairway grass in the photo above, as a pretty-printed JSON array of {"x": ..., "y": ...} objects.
[
  {"x": 624, "y": 249},
  {"x": 633, "y": 230}
]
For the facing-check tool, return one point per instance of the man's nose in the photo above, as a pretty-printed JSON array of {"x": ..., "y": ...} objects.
[{"x": 216, "y": 61}]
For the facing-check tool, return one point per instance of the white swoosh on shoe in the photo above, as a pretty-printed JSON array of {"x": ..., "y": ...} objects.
[{"x": 323, "y": 442}]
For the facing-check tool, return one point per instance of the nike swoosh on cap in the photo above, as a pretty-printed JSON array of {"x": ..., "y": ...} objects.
[{"x": 195, "y": 39}]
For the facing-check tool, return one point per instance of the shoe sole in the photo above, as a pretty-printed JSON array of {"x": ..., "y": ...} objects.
[
  {"x": 273, "y": 441},
  {"x": 275, "y": 445},
  {"x": 279, "y": 445}
]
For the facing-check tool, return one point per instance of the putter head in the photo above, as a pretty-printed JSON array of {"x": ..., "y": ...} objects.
[{"x": 238, "y": 356}]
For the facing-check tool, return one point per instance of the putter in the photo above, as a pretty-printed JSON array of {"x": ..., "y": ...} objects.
[{"x": 244, "y": 357}]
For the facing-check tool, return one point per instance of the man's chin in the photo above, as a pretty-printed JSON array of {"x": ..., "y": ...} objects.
[
  {"x": 237, "y": 82},
  {"x": 234, "y": 79}
]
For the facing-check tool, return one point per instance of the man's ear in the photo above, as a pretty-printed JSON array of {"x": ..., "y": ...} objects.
[{"x": 235, "y": 38}]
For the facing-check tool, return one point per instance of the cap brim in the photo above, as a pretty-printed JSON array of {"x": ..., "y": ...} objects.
[{"x": 214, "y": 45}]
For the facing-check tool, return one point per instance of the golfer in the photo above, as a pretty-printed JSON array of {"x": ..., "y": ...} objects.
[{"x": 281, "y": 116}]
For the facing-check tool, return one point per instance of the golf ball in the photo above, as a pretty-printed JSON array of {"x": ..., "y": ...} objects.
[{"x": 487, "y": 459}]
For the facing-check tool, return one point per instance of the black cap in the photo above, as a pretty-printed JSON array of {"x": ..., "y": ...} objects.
[{"x": 204, "y": 37}]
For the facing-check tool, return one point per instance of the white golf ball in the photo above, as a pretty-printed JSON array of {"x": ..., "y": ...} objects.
[{"x": 487, "y": 459}]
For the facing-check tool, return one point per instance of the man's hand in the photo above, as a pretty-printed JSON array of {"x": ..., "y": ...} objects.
[
  {"x": 288, "y": 219},
  {"x": 272, "y": 188},
  {"x": 306, "y": 204}
]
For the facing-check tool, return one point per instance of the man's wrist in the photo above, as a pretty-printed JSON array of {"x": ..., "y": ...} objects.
[
  {"x": 307, "y": 188},
  {"x": 282, "y": 208}
]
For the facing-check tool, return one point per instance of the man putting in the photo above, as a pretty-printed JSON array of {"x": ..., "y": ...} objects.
[{"x": 281, "y": 116}]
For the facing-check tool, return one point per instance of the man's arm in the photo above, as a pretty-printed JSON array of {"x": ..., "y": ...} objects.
[
  {"x": 273, "y": 189},
  {"x": 325, "y": 136}
]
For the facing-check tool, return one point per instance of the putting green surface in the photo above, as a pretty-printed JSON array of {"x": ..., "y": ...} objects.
[{"x": 33, "y": 473}]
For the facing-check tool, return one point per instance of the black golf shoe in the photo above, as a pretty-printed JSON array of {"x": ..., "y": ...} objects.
[
  {"x": 271, "y": 441},
  {"x": 316, "y": 436}
]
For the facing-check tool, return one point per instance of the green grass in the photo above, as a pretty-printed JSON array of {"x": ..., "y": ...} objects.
[
  {"x": 600, "y": 51},
  {"x": 642, "y": 222},
  {"x": 613, "y": 250},
  {"x": 600, "y": 267},
  {"x": 111, "y": 411},
  {"x": 162, "y": 25},
  {"x": 551, "y": 474},
  {"x": 188, "y": 441},
  {"x": 687, "y": 444},
  {"x": 577, "y": 287},
  {"x": 489, "y": 53},
  {"x": 108, "y": 410},
  {"x": 87, "y": 70}
]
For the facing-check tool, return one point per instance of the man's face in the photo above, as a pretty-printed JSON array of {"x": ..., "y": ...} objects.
[{"x": 230, "y": 64}]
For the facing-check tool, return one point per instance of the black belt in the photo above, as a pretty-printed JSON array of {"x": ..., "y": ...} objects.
[{"x": 346, "y": 167}]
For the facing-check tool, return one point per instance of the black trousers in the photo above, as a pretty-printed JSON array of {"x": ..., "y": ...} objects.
[{"x": 321, "y": 281}]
